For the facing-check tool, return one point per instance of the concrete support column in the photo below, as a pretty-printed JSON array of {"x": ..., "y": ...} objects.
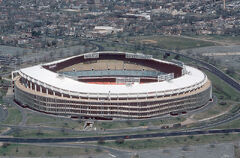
[
  {"x": 211, "y": 92},
  {"x": 31, "y": 85},
  {"x": 27, "y": 84},
  {"x": 46, "y": 90},
  {"x": 54, "y": 93},
  {"x": 61, "y": 94},
  {"x": 40, "y": 89},
  {"x": 35, "y": 87}
]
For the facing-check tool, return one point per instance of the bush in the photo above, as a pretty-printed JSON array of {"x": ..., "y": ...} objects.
[
  {"x": 5, "y": 145},
  {"x": 29, "y": 152},
  {"x": 212, "y": 145},
  {"x": 222, "y": 103},
  {"x": 119, "y": 141},
  {"x": 190, "y": 137},
  {"x": 221, "y": 97}
]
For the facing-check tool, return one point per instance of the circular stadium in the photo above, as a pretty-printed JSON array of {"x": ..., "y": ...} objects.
[{"x": 109, "y": 85}]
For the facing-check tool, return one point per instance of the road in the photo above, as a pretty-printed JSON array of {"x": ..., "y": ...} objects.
[{"x": 135, "y": 136}]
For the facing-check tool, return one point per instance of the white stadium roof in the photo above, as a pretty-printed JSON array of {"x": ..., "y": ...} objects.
[{"x": 51, "y": 79}]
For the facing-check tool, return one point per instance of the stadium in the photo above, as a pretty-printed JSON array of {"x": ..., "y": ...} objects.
[{"x": 111, "y": 85}]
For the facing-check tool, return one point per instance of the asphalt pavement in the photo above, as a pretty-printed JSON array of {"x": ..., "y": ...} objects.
[{"x": 135, "y": 136}]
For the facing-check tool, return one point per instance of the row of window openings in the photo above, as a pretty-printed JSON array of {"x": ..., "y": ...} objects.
[{"x": 50, "y": 92}]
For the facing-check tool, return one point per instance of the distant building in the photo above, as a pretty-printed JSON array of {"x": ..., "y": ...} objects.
[{"x": 106, "y": 30}]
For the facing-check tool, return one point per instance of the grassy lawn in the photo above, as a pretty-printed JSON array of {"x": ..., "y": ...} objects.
[
  {"x": 129, "y": 123},
  {"x": 3, "y": 92},
  {"x": 39, "y": 119},
  {"x": 221, "y": 38},
  {"x": 38, "y": 133},
  {"x": 2, "y": 129},
  {"x": 232, "y": 124},
  {"x": 173, "y": 141},
  {"x": 42, "y": 133},
  {"x": 213, "y": 111},
  {"x": 170, "y": 42},
  {"x": 14, "y": 117},
  {"x": 21, "y": 150},
  {"x": 222, "y": 89}
]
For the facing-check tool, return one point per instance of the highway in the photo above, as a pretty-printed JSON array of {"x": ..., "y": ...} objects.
[{"x": 135, "y": 136}]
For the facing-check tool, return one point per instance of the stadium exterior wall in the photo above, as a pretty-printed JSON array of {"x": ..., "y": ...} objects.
[{"x": 134, "y": 108}]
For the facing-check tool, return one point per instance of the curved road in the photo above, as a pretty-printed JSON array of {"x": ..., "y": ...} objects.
[{"x": 135, "y": 136}]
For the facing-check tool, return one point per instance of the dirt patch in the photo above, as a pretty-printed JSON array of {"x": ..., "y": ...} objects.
[
  {"x": 149, "y": 41},
  {"x": 188, "y": 121}
]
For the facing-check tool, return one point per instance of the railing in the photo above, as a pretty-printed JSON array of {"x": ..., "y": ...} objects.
[{"x": 96, "y": 73}]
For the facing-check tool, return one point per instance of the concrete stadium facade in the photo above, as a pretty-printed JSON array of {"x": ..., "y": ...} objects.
[{"x": 108, "y": 85}]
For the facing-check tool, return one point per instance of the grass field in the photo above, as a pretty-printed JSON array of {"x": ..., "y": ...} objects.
[
  {"x": 128, "y": 123},
  {"x": 2, "y": 129},
  {"x": 20, "y": 150},
  {"x": 213, "y": 111},
  {"x": 221, "y": 88},
  {"x": 39, "y": 119},
  {"x": 39, "y": 133},
  {"x": 232, "y": 124},
  {"x": 2, "y": 93},
  {"x": 221, "y": 38},
  {"x": 170, "y": 42},
  {"x": 173, "y": 141},
  {"x": 14, "y": 117}
]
